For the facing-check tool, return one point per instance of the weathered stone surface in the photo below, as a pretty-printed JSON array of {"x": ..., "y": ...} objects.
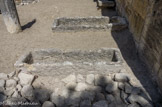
[
  {"x": 48, "y": 104},
  {"x": 110, "y": 98},
  {"x": 88, "y": 95},
  {"x": 56, "y": 99},
  {"x": 85, "y": 103},
  {"x": 2, "y": 83},
  {"x": 16, "y": 94},
  {"x": 80, "y": 78},
  {"x": 28, "y": 92},
  {"x": 102, "y": 80},
  {"x": 71, "y": 85},
  {"x": 136, "y": 90},
  {"x": 121, "y": 85},
  {"x": 112, "y": 87},
  {"x": 99, "y": 96},
  {"x": 81, "y": 87},
  {"x": 41, "y": 95},
  {"x": 11, "y": 74},
  {"x": 94, "y": 88},
  {"x": 133, "y": 105},
  {"x": 101, "y": 103},
  {"x": 2, "y": 97},
  {"x": 137, "y": 98},
  {"x": 128, "y": 88},
  {"x": 11, "y": 83},
  {"x": 3, "y": 76},
  {"x": 70, "y": 78},
  {"x": 25, "y": 78},
  {"x": 16, "y": 101},
  {"x": 18, "y": 87},
  {"x": 9, "y": 91},
  {"x": 90, "y": 79},
  {"x": 73, "y": 99},
  {"x": 106, "y": 3},
  {"x": 121, "y": 77},
  {"x": 124, "y": 97}
]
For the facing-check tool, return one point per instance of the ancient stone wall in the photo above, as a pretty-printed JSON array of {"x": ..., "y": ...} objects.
[{"x": 145, "y": 22}]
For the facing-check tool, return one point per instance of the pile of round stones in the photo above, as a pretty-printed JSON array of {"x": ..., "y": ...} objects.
[{"x": 91, "y": 90}]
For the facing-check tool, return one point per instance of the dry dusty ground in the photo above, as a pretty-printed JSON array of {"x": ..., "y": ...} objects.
[{"x": 37, "y": 20}]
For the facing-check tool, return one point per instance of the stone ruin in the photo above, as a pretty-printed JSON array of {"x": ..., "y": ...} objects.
[
  {"x": 22, "y": 88},
  {"x": 55, "y": 78},
  {"x": 74, "y": 24}
]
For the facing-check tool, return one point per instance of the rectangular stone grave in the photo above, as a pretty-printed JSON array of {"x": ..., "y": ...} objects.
[
  {"x": 80, "y": 24},
  {"x": 106, "y": 3},
  {"x": 56, "y": 62}
]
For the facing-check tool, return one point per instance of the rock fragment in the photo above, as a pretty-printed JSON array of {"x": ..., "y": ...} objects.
[{"x": 25, "y": 78}]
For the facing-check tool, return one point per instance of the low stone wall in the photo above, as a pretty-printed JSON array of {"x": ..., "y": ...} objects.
[
  {"x": 145, "y": 19},
  {"x": 25, "y": 89}
]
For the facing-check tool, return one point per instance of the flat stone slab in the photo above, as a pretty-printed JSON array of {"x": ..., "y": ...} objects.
[
  {"x": 106, "y": 3},
  {"x": 80, "y": 24},
  {"x": 55, "y": 62},
  {"x": 88, "y": 23}
]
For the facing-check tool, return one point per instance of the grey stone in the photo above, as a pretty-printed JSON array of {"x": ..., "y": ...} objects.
[
  {"x": 48, "y": 104},
  {"x": 121, "y": 77},
  {"x": 10, "y": 75},
  {"x": 56, "y": 99},
  {"x": 18, "y": 87},
  {"x": 112, "y": 87},
  {"x": 2, "y": 83},
  {"x": 9, "y": 91},
  {"x": 133, "y": 105},
  {"x": 25, "y": 78},
  {"x": 136, "y": 90},
  {"x": 90, "y": 79},
  {"x": 139, "y": 99},
  {"x": 16, "y": 78},
  {"x": 2, "y": 97},
  {"x": 3, "y": 76},
  {"x": 73, "y": 99},
  {"x": 16, "y": 94},
  {"x": 81, "y": 87},
  {"x": 99, "y": 96},
  {"x": 28, "y": 92},
  {"x": 124, "y": 97},
  {"x": 110, "y": 98},
  {"x": 106, "y": 3},
  {"x": 88, "y": 95},
  {"x": 85, "y": 103},
  {"x": 71, "y": 85},
  {"x": 41, "y": 95},
  {"x": 11, "y": 83},
  {"x": 101, "y": 103},
  {"x": 70, "y": 78},
  {"x": 80, "y": 78},
  {"x": 121, "y": 85},
  {"x": 96, "y": 89},
  {"x": 128, "y": 88},
  {"x": 101, "y": 80}
]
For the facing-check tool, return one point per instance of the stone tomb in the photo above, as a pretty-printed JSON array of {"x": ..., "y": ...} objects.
[
  {"x": 54, "y": 62},
  {"x": 86, "y": 23}
]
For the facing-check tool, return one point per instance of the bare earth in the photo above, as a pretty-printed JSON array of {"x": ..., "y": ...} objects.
[{"x": 37, "y": 20}]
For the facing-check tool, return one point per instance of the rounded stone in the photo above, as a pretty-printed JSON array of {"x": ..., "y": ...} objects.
[
  {"x": 90, "y": 79},
  {"x": 28, "y": 92},
  {"x": 11, "y": 83},
  {"x": 81, "y": 87},
  {"x": 41, "y": 95},
  {"x": 112, "y": 87},
  {"x": 85, "y": 103},
  {"x": 102, "y": 103},
  {"x": 48, "y": 104}
]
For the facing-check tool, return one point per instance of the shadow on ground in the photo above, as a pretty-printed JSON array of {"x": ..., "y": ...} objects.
[
  {"x": 29, "y": 24},
  {"x": 126, "y": 44}
]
